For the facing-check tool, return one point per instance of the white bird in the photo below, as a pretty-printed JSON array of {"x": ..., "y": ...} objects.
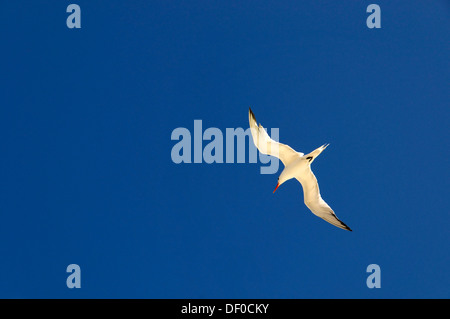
[{"x": 298, "y": 166}]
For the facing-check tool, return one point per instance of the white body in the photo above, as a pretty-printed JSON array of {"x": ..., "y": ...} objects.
[{"x": 298, "y": 166}]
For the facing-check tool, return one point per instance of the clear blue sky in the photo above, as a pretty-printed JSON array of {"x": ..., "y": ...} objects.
[{"x": 87, "y": 177}]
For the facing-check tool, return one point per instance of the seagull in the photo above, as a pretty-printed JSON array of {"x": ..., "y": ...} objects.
[{"x": 296, "y": 165}]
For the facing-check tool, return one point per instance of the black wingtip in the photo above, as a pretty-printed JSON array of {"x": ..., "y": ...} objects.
[
  {"x": 250, "y": 112},
  {"x": 346, "y": 227}
]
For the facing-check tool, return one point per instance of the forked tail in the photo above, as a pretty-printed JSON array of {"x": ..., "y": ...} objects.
[{"x": 312, "y": 156}]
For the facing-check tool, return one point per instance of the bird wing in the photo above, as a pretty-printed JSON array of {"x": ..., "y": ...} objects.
[
  {"x": 314, "y": 201},
  {"x": 268, "y": 146}
]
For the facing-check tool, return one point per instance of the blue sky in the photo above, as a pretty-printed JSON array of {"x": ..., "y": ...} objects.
[{"x": 87, "y": 176}]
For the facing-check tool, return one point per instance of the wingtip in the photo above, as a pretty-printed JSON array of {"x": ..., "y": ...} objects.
[
  {"x": 345, "y": 226},
  {"x": 251, "y": 115}
]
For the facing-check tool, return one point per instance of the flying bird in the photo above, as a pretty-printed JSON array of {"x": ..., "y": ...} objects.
[{"x": 296, "y": 165}]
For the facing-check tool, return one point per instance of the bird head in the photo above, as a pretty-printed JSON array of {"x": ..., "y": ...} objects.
[{"x": 280, "y": 181}]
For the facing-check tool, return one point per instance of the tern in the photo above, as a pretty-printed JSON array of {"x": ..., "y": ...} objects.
[{"x": 296, "y": 165}]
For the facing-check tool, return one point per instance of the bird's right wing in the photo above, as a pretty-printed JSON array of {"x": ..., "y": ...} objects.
[
  {"x": 314, "y": 201},
  {"x": 268, "y": 146}
]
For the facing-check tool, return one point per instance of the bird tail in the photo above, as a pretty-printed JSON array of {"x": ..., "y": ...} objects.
[{"x": 312, "y": 156}]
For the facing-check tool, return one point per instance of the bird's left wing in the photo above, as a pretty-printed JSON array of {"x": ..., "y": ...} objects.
[
  {"x": 314, "y": 201},
  {"x": 268, "y": 146}
]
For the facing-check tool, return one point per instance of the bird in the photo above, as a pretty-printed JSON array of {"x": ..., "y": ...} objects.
[{"x": 296, "y": 165}]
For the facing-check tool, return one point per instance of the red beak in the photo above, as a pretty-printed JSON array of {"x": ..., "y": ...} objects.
[{"x": 276, "y": 187}]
